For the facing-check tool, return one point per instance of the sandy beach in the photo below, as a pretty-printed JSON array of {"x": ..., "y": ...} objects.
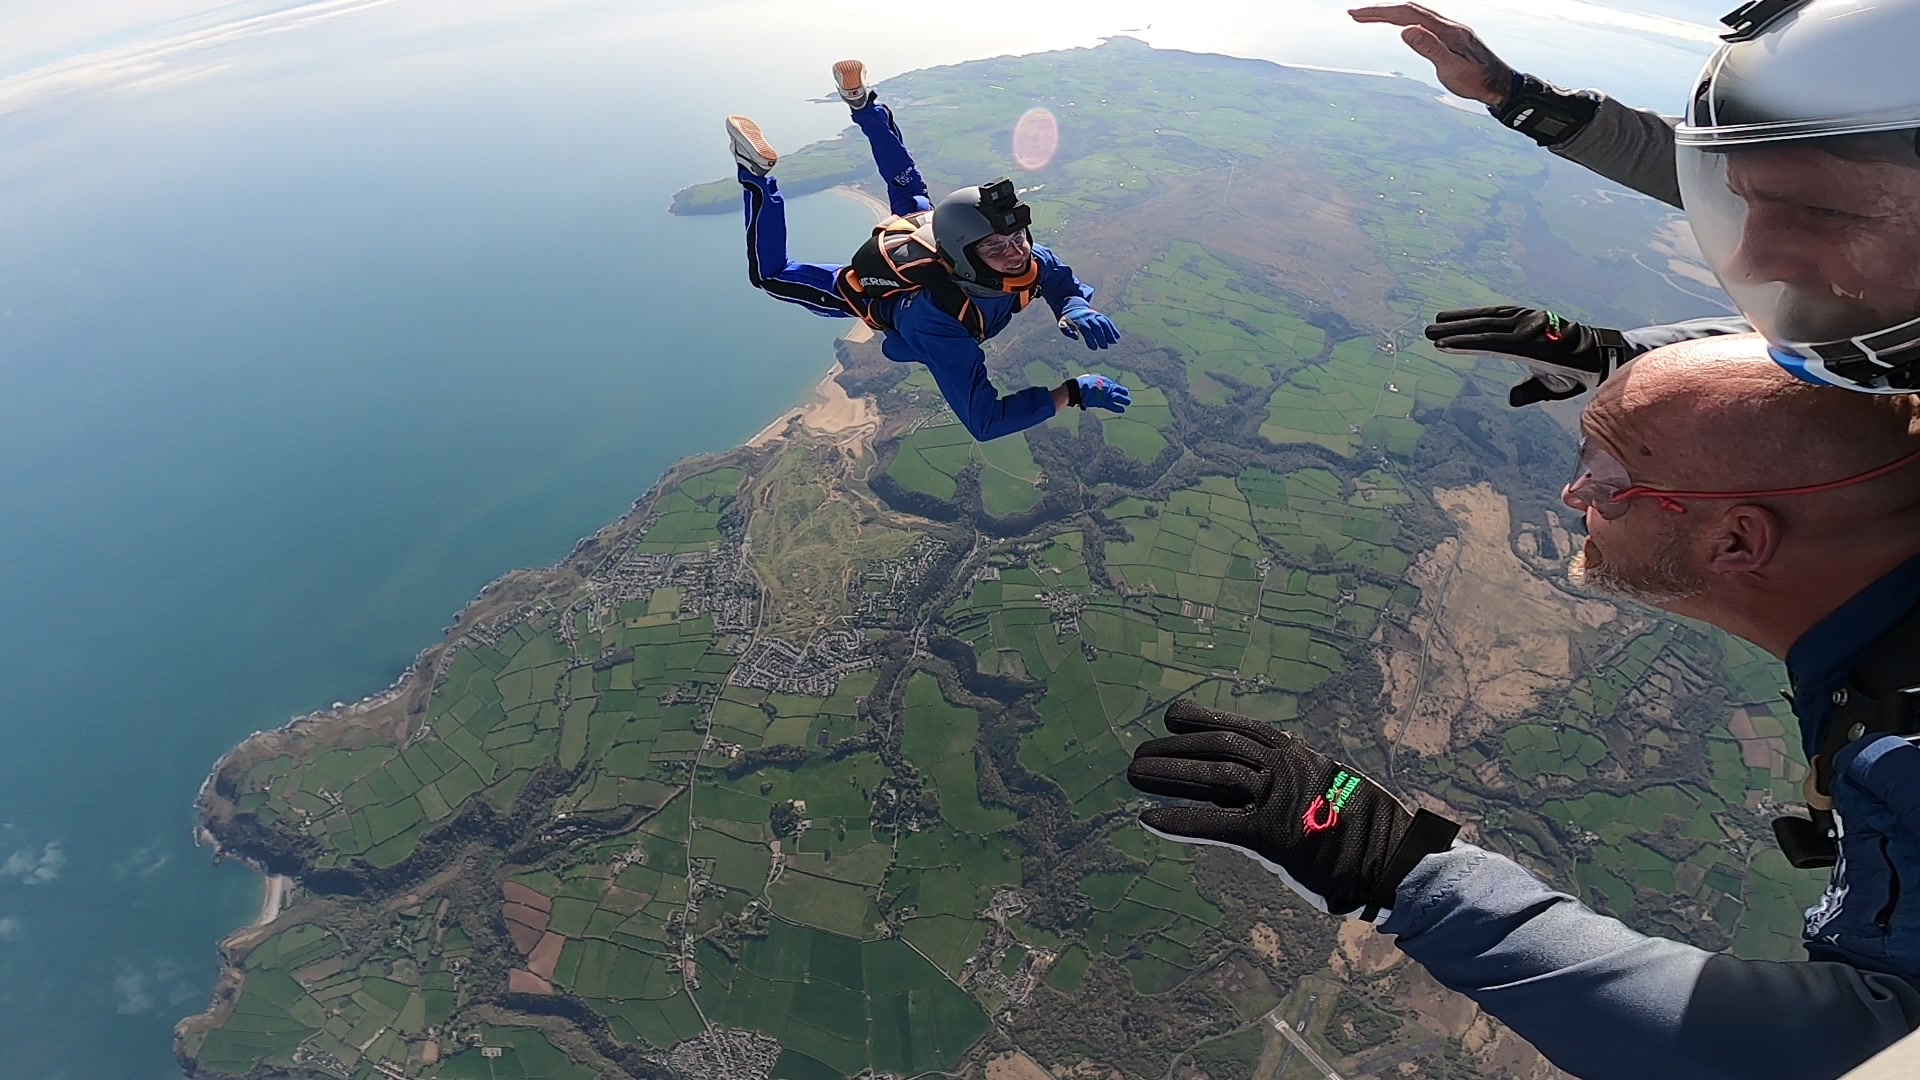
[
  {"x": 881, "y": 211},
  {"x": 833, "y": 414},
  {"x": 276, "y": 891}
]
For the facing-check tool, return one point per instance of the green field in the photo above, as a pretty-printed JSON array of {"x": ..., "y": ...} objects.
[
  {"x": 1068, "y": 970},
  {"x": 929, "y": 459},
  {"x": 1201, "y": 616},
  {"x": 1138, "y": 432},
  {"x": 846, "y": 1004},
  {"x": 1362, "y": 397},
  {"x": 1537, "y": 749},
  {"x": 940, "y": 741},
  {"x": 525, "y": 1054},
  {"x": 307, "y": 987},
  {"x": 1760, "y": 905},
  {"x": 1191, "y": 301},
  {"x": 500, "y": 711}
]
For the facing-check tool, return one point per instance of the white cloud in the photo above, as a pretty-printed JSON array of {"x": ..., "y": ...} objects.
[
  {"x": 142, "y": 988},
  {"x": 142, "y": 861},
  {"x": 1590, "y": 14},
  {"x": 35, "y": 868},
  {"x": 130, "y": 994},
  {"x": 9, "y": 928},
  {"x": 163, "y": 59}
]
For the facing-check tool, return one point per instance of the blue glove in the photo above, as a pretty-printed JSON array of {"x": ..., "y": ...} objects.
[
  {"x": 1079, "y": 320},
  {"x": 1098, "y": 392}
]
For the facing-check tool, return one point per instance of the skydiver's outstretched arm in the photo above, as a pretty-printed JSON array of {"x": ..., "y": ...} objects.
[
  {"x": 1648, "y": 338},
  {"x": 1602, "y": 1001},
  {"x": 959, "y": 368},
  {"x": 1631, "y": 147},
  {"x": 1565, "y": 358}
]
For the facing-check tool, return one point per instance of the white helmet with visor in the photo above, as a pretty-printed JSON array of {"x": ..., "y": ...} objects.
[{"x": 1800, "y": 173}]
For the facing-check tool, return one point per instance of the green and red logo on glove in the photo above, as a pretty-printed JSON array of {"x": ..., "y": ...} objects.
[
  {"x": 1556, "y": 328},
  {"x": 1323, "y": 812}
]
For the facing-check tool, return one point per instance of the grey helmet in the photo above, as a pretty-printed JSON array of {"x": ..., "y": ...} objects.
[
  {"x": 1800, "y": 173},
  {"x": 970, "y": 215}
]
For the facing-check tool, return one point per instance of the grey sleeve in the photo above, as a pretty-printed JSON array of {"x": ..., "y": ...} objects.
[
  {"x": 1631, "y": 147},
  {"x": 1648, "y": 338},
  {"x": 1602, "y": 1001}
]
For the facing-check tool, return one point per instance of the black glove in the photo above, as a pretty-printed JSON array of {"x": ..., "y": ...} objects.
[
  {"x": 1566, "y": 358},
  {"x": 1334, "y": 836}
]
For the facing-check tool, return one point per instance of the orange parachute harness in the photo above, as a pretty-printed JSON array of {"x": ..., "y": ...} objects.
[{"x": 898, "y": 259}]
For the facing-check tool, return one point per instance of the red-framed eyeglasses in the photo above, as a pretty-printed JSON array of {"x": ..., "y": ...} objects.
[{"x": 1602, "y": 485}]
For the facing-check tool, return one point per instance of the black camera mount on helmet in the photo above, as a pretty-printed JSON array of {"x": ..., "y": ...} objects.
[{"x": 1004, "y": 211}]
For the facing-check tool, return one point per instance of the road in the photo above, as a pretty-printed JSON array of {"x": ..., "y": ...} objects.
[
  {"x": 1306, "y": 1018},
  {"x": 1300, "y": 1043}
]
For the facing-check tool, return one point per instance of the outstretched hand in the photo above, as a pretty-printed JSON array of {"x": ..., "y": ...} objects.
[
  {"x": 1464, "y": 64},
  {"x": 1097, "y": 392},
  {"x": 1333, "y": 836},
  {"x": 1083, "y": 322},
  {"x": 1564, "y": 358}
]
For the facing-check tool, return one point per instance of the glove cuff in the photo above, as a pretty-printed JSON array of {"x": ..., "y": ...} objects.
[
  {"x": 1427, "y": 835},
  {"x": 1535, "y": 390},
  {"x": 1612, "y": 348},
  {"x": 1543, "y": 112},
  {"x": 1073, "y": 393}
]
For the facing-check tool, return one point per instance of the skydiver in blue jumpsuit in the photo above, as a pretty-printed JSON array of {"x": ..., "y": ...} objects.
[{"x": 936, "y": 280}]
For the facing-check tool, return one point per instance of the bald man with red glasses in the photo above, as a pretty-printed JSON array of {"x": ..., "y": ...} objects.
[{"x": 1714, "y": 486}]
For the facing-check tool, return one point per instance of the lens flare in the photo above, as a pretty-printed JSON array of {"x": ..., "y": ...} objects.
[{"x": 1035, "y": 139}]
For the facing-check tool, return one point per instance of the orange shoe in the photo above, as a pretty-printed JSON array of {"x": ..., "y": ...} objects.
[
  {"x": 850, "y": 78},
  {"x": 750, "y": 147}
]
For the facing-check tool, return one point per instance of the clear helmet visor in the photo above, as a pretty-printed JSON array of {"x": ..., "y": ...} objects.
[{"x": 1817, "y": 241}]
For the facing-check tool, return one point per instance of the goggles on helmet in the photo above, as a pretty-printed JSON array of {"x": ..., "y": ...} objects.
[
  {"x": 1601, "y": 484},
  {"x": 1000, "y": 247}
]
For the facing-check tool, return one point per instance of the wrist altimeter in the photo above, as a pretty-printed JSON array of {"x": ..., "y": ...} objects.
[{"x": 1543, "y": 112}]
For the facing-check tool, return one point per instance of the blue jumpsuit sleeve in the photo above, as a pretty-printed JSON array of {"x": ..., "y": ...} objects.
[
  {"x": 959, "y": 368},
  {"x": 1649, "y": 338},
  {"x": 1604, "y": 1002},
  {"x": 1058, "y": 285}
]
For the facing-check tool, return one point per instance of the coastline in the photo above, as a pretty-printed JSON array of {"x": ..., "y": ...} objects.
[
  {"x": 881, "y": 211},
  {"x": 832, "y": 413}
]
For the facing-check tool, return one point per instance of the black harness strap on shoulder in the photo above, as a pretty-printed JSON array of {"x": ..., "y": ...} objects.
[
  {"x": 1808, "y": 843},
  {"x": 894, "y": 261}
]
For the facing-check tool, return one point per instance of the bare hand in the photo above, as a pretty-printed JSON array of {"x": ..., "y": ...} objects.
[{"x": 1463, "y": 62}]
